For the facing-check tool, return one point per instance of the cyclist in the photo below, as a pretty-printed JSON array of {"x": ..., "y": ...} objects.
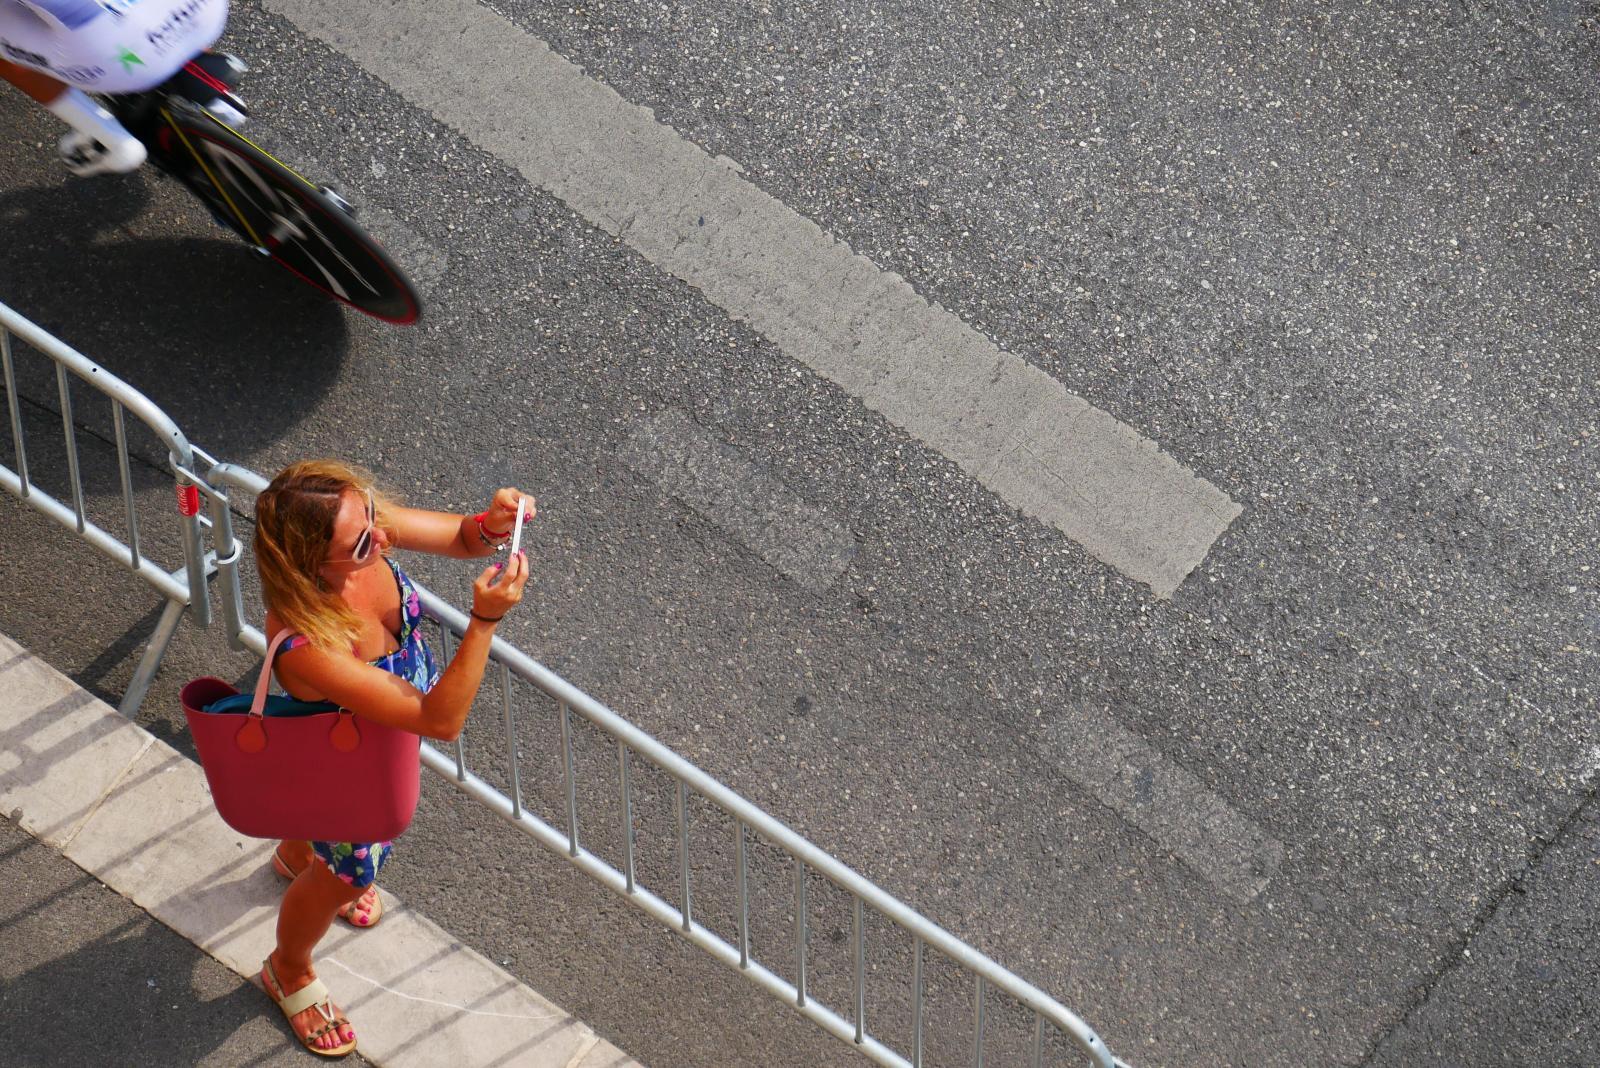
[{"x": 51, "y": 48}]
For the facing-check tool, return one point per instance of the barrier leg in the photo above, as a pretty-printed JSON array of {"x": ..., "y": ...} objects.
[{"x": 139, "y": 685}]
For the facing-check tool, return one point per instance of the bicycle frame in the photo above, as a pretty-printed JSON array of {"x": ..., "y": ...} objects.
[{"x": 240, "y": 222}]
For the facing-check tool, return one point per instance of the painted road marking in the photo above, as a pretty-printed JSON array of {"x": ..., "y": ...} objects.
[
  {"x": 1019, "y": 432},
  {"x": 1165, "y": 802},
  {"x": 800, "y": 540}
]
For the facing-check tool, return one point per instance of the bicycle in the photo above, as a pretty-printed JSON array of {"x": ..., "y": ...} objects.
[{"x": 306, "y": 228}]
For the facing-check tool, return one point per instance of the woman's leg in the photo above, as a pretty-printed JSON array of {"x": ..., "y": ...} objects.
[
  {"x": 309, "y": 906},
  {"x": 297, "y": 854}
]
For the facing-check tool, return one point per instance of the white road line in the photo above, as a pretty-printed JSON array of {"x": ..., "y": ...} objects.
[
  {"x": 1011, "y": 426},
  {"x": 1165, "y": 802},
  {"x": 800, "y": 540}
]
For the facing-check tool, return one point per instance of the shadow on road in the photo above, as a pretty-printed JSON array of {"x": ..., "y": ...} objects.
[{"x": 228, "y": 344}]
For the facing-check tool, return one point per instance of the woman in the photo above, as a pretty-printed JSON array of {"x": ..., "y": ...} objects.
[{"x": 322, "y": 541}]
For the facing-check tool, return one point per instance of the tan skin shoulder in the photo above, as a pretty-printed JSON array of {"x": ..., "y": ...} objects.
[{"x": 375, "y": 595}]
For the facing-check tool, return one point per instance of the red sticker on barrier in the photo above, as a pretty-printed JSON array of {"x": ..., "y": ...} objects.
[{"x": 189, "y": 500}]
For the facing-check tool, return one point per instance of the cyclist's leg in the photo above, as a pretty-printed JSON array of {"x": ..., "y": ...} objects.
[
  {"x": 98, "y": 143},
  {"x": 40, "y": 87},
  {"x": 35, "y": 64},
  {"x": 130, "y": 51}
]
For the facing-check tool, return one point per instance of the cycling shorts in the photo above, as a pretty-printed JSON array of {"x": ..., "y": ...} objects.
[{"x": 109, "y": 46}]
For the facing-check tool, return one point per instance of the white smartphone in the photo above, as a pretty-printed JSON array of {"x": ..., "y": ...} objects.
[{"x": 516, "y": 531}]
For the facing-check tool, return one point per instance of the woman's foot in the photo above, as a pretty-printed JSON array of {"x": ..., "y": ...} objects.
[
  {"x": 291, "y": 858},
  {"x": 315, "y": 1020}
]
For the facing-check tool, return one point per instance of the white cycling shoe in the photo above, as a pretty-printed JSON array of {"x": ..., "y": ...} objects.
[{"x": 86, "y": 156}]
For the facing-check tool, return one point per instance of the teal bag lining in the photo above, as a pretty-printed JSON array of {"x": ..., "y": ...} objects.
[{"x": 277, "y": 705}]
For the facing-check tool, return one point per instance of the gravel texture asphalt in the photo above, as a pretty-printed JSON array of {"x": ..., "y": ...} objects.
[{"x": 1339, "y": 260}]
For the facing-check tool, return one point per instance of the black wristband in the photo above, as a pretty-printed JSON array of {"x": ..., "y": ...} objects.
[{"x": 487, "y": 619}]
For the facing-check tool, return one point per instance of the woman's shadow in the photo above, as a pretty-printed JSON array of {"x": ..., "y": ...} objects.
[{"x": 229, "y": 345}]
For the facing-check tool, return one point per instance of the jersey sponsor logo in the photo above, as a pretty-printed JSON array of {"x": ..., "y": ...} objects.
[
  {"x": 176, "y": 26},
  {"x": 117, "y": 7},
  {"x": 72, "y": 73},
  {"x": 83, "y": 75},
  {"x": 22, "y": 55},
  {"x": 129, "y": 60}
]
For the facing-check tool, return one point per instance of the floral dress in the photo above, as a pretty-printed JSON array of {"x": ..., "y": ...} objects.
[{"x": 357, "y": 863}]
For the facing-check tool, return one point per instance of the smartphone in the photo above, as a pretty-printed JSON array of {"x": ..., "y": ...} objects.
[{"x": 516, "y": 531}]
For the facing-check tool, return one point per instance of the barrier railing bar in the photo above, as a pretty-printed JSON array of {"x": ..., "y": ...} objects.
[
  {"x": 1038, "y": 1042},
  {"x": 663, "y": 912},
  {"x": 511, "y": 743},
  {"x": 744, "y": 894},
  {"x": 567, "y": 772},
  {"x": 16, "y": 412},
  {"x": 154, "y": 650},
  {"x": 127, "y": 483},
  {"x": 179, "y": 452},
  {"x": 113, "y": 547},
  {"x": 458, "y": 748},
  {"x": 916, "y": 1002},
  {"x": 977, "y": 1025},
  {"x": 683, "y": 853},
  {"x": 659, "y": 910},
  {"x": 627, "y": 813},
  {"x": 228, "y": 549},
  {"x": 800, "y": 932},
  {"x": 688, "y": 777},
  {"x": 66, "y": 356},
  {"x": 861, "y": 972},
  {"x": 71, "y": 432}
]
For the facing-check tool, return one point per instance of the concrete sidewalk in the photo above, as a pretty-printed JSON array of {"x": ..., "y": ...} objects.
[{"x": 87, "y": 977}]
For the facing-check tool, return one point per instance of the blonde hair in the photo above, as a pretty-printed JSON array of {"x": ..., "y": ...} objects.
[{"x": 294, "y": 527}]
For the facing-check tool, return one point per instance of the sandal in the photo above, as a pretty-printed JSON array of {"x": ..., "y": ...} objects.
[
  {"x": 313, "y": 995},
  {"x": 348, "y": 912}
]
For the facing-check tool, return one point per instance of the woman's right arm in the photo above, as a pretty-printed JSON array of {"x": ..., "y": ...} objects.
[{"x": 385, "y": 698}]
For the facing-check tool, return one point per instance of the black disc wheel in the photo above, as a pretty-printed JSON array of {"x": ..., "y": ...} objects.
[{"x": 286, "y": 217}]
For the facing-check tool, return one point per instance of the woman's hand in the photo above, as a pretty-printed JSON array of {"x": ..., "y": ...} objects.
[
  {"x": 501, "y": 515},
  {"x": 490, "y": 599}
]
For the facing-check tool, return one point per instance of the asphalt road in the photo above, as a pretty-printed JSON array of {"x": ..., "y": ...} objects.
[{"x": 1337, "y": 261}]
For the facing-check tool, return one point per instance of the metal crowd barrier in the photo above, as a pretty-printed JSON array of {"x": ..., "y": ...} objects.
[
  {"x": 183, "y": 587},
  {"x": 631, "y": 742}
]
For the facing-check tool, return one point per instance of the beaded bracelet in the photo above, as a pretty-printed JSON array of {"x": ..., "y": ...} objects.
[
  {"x": 485, "y": 534},
  {"x": 486, "y": 619}
]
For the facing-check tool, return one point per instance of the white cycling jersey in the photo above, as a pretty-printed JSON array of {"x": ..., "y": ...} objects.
[{"x": 109, "y": 46}]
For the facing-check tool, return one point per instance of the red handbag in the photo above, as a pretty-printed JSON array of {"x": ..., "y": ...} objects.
[{"x": 330, "y": 776}]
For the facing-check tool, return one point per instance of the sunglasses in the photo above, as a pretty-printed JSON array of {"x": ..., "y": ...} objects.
[{"x": 363, "y": 546}]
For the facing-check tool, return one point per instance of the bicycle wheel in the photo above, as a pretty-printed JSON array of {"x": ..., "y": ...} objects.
[{"x": 285, "y": 216}]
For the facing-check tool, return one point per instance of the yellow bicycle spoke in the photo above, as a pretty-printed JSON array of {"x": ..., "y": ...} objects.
[
  {"x": 258, "y": 148},
  {"x": 220, "y": 188}
]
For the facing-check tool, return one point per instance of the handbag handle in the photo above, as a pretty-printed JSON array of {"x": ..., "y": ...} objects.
[
  {"x": 264, "y": 680},
  {"x": 252, "y": 734}
]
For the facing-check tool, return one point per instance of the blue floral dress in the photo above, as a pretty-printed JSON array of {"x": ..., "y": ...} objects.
[{"x": 357, "y": 863}]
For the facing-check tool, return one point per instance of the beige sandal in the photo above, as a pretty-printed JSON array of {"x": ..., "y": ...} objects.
[
  {"x": 346, "y": 913},
  {"x": 313, "y": 995}
]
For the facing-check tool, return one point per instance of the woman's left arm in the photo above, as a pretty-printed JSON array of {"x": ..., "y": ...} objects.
[{"x": 461, "y": 536}]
